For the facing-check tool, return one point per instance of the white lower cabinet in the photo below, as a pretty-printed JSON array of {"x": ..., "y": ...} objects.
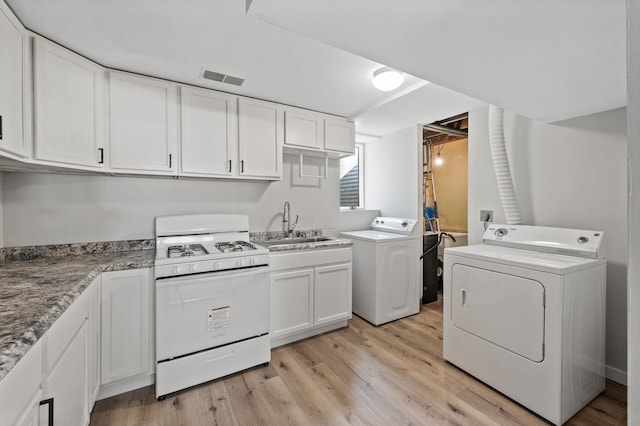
[
  {"x": 291, "y": 302},
  {"x": 66, "y": 384},
  {"x": 310, "y": 293},
  {"x": 20, "y": 390},
  {"x": 62, "y": 372},
  {"x": 126, "y": 331},
  {"x": 332, "y": 293},
  {"x": 66, "y": 364}
]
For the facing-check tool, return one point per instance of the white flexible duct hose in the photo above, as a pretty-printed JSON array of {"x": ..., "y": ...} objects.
[{"x": 501, "y": 166}]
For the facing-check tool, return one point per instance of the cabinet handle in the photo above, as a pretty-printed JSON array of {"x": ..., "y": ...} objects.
[
  {"x": 241, "y": 166},
  {"x": 229, "y": 166},
  {"x": 101, "y": 152},
  {"x": 0, "y": 127},
  {"x": 463, "y": 297},
  {"x": 49, "y": 402},
  {"x": 169, "y": 160}
]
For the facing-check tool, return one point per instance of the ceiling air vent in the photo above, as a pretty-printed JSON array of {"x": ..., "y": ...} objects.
[{"x": 222, "y": 78}]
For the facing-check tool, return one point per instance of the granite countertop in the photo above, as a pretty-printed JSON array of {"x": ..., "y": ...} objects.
[{"x": 35, "y": 292}]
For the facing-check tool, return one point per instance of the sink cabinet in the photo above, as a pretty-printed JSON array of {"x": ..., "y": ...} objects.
[{"x": 310, "y": 293}]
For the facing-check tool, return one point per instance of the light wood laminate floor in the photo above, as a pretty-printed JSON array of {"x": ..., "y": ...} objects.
[{"x": 388, "y": 375}]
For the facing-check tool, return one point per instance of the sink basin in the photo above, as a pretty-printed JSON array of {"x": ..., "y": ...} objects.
[{"x": 294, "y": 241}]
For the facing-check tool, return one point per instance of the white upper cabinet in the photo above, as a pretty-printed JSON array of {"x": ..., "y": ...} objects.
[
  {"x": 68, "y": 95},
  {"x": 260, "y": 139},
  {"x": 303, "y": 128},
  {"x": 339, "y": 135},
  {"x": 143, "y": 122},
  {"x": 316, "y": 131},
  {"x": 13, "y": 54},
  {"x": 209, "y": 132}
]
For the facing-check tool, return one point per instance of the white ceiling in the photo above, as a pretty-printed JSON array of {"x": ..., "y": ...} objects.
[
  {"x": 488, "y": 55},
  {"x": 545, "y": 59}
]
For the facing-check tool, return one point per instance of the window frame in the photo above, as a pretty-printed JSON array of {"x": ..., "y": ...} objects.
[{"x": 360, "y": 147}]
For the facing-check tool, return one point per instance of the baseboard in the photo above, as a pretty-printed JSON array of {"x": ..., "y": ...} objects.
[
  {"x": 125, "y": 385},
  {"x": 279, "y": 341},
  {"x": 616, "y": 375}
]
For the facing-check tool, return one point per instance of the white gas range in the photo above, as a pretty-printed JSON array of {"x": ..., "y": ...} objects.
[{"x": 212, "y": 300}]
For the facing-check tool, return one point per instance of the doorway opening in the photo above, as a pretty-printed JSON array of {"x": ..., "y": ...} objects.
[
  {"x": 444, "y": 174},
  {"x": 444, "y": 196}
]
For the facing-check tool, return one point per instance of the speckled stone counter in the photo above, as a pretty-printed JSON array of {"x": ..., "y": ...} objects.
[{"x": 35, "y": 292}]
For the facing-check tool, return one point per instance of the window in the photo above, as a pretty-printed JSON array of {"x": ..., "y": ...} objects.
[{"x": 351, "y": 181}]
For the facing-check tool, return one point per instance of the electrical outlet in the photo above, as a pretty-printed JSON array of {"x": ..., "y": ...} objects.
[{"x": 486, "y": 215}]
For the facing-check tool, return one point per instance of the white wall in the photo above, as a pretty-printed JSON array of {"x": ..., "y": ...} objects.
[
  {"x": 52, "y": 208},
  {"x": 569, "y": 174},
  {"x": 633, "y": 90},
  {"x": 392, "y": 174},
  {"x": 356, "y": 220}
]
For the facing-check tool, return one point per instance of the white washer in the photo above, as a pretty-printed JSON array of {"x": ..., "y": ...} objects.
[
  {"x": 386, "y": 270},
  {"x": 525, "y": 313}
]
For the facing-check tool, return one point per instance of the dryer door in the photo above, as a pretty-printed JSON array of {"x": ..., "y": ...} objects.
[{"x": 503, "y": 309}]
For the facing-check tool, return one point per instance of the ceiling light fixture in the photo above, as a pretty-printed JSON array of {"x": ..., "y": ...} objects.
[{"x": 387, "y": 79}]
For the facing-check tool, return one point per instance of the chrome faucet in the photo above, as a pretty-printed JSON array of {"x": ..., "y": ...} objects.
[{"x": 286, "y": 218}]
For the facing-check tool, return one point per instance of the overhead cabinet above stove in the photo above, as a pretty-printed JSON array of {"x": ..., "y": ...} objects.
[{"x": 90, "y": 118}]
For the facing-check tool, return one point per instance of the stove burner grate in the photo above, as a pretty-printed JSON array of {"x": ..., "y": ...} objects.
[
  {"x": 235, "y": 246},
  {"x": 186, "y": 250}
]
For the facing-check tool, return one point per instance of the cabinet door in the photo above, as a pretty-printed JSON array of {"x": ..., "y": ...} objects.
[
  {"x": 209, "y": 132},
  {"x": 66, "y": 383},
  {"x": 68, "y": 106},
  {"x": 339, "y": 135},
  {"x": 260, "y": 139},
  {"x": 13, "y": 48},
  {"x": 303, "y": 128},
  {"x": 20, "y": 389},
  {"x": 291, "y": 302},
  {"x": 332, "y": 293},
  {"x": 142, "y": 124},
  {"x": 126, "y": 326}
]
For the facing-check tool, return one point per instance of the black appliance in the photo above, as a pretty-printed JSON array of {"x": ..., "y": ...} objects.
[{"x": 432, "y": 266}]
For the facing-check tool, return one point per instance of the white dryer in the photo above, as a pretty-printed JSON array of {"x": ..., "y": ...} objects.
[
  {"x": 525, "y": 313},
  {"x": 386, "y": 270}
]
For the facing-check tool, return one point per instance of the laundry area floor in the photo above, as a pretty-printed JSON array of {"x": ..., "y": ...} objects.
[{"x": 388, "y": 375}]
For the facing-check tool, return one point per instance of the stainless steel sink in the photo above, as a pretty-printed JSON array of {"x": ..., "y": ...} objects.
[{"x": 294, "y": 241}]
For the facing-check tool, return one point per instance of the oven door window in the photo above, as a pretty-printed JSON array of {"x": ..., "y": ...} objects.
[{"x": 200, "y": 312}]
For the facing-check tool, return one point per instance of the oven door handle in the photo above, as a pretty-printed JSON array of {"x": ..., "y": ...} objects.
[{"x": 211, "y": 276}]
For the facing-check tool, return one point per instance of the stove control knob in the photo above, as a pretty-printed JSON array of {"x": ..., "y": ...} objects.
[
  {"x": 501, "y": 232},
  {"x": 192, "y": 269},
  {"x": 252, "y": 261},
  {"x": 216, "y": 266},
  {"x": 239, "y": 263},
  {"x": 174, "y": 270},
  {"x": 182, "y": 269}
]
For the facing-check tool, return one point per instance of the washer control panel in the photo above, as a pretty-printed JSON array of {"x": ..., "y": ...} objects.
[
  {"x": 396, "y": 225},
  {"x": 566, "y": 241}
]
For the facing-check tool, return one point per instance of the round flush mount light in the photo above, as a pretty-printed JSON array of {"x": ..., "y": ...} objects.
[{"x": 387, "y": 79}]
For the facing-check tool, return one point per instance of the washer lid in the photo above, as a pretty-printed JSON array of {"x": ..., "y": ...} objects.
[
  {"x": 375, "y": 236},
  {"x": 545, "y": 262}
]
